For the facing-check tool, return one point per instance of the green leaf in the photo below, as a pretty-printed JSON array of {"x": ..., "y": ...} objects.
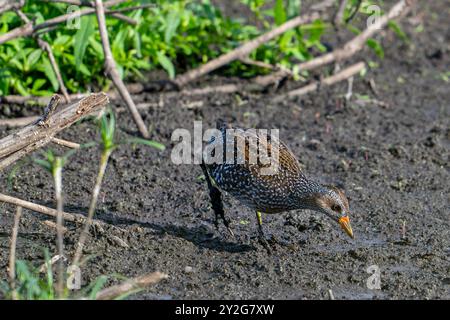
[
  {"x": 37, "y": 84},
  {"x": 172, "y": 22},
  {"x": 398, "y": 30},
  {"x": 376, "y": 46},
  {"x": 81, "y": 39},
  {"x": 279, "y": 12},
  {"x": 50, "y": 73},
  {"x": 97, "y": 286},
  {"x": 33, "y": 57},
  {"x": 166, "y": 64},
  {"x": 151, "y": 143},
  {"x": 293, "y": 8}
]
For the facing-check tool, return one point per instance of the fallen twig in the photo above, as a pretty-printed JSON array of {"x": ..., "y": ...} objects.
[
  {"x": 341, "y": 75},
  {"x": 7, "y": 161},
  {"x": 12, "y": 253},
  {"x": 57, "y": 178},
  {"x": 65, "y": 143},
  {"x": 46, "y": 47},
  {"x": 348, "y": 50},
  {"x": 225, "y": 88},
  {"x": 111, "y": 69},
  {"x": 72, "y": 217},
  {"x": 340, "y": 13},
  {"x": 131, "y": 285},
  {"x": 88, "y": 3},
  {"x": 7, "y": 5},
  {"x": 44, "y": 267},
  {"x": 28, "y": 29},
  {"x": 245, "y": 49},
  {"x": 34, "y": 136},
  {"x": 52, "y": 224}
]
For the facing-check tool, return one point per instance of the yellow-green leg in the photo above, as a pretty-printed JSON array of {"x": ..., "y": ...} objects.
[
  {"x": 262, "y": 238},
  {"x": 259, "y": 219}
]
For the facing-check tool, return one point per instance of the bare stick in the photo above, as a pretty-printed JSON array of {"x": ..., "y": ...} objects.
[
  {"x": 49, "y": 110},
  {"x": 98, "y": 182},
  {"x": 22, "y": 31},
  {"x": 341, "y": 75},
  {"x": 52, "y": 224},
  {"x": 133, "y": 88},
  {"x": 260, "y": 64},
  {"x": 111, "y": 69},
  {"x": 20, "y": 122},
  {"x": 91, "y": 4},
  {"x": 36, "y": 135},
  {"x": 340, "y": 13},
  {"x": 12, "y": 253},
  {"x": 7, "y": 5},
  {"x": 65, "y": 143},
  {"x": 72, "y": 2},
  {"x": 124, "y": 18},
  {"x": 28, "y": 29},
  {"x": 7, "y": 161},
  {"x": 245, "y": 49},
  {"x": 48, "y": 264},
  {"x": 57, "y": 177},
  {"x": 131, "y": 285},
  {"x": 349, "y": 49},
  {"x": 72, "y": 217},
  {"x": 46, "y": 47}
]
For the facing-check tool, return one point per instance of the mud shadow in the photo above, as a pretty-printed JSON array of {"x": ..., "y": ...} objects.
[{"x": 198, "y": 235}]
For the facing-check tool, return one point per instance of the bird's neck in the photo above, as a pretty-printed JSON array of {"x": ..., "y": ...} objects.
[{"x": 306, "y": 193}]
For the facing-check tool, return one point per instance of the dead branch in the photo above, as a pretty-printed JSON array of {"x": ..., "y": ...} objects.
[
  {"x": 65, "y": 143},
  {"x": 53, "y": 225},
  {"x": 341, "y": 75},
  {"x": 16, "y": 156},
  {"x": 36, "y": 135},
  {"x": 340, "y": 13},
  {"x": 12, "y": 253},
  {"x": 348, "y": 50},
  {"x": 7, "y": 5},
  {"x": 20, "y": 122},
  {"x": 133, "y": 88},
  {"x": 49, "y": 110},
  {"x": 72, "y": 217},
  {"x": 111, "y": 70},
  {"x": 46, "y": 47},
  {"x": 28, "y": 29},
  {"x": 245, "y": 49},
  {"x": 87, "y": 3},
  {"x": 131, "y": 285}
]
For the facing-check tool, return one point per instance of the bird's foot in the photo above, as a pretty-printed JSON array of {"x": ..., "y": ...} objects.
[
  {"x": 265, "y": 243},
  {"x": 226, "y": 223}
]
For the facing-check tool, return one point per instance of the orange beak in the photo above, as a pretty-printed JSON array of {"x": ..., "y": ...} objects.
[{"x": 345, "y": 224}]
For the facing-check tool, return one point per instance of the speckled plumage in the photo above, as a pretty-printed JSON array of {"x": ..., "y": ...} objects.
[{"x": 287, "y": 189}]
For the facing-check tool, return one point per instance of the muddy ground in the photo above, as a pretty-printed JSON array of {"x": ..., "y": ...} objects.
[{"x": 392, "y": 158}]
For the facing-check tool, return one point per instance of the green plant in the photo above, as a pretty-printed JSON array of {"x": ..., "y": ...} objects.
[
  {"x": 172, "y": 35},
  {"x": 37, "y": 283},
  {"x": 107, "y": 128},
  {"x": 30, "y": 285},
  {"x": 54, "y": 165}
]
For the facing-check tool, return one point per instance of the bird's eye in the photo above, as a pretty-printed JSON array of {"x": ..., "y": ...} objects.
[{"x": 336, "y": 208}]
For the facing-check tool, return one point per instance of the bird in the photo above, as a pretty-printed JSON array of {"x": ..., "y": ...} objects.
[{"x": 234, "y": 160}]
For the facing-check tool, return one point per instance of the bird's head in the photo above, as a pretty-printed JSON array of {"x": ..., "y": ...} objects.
[{"x": 333, "y": 203}]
